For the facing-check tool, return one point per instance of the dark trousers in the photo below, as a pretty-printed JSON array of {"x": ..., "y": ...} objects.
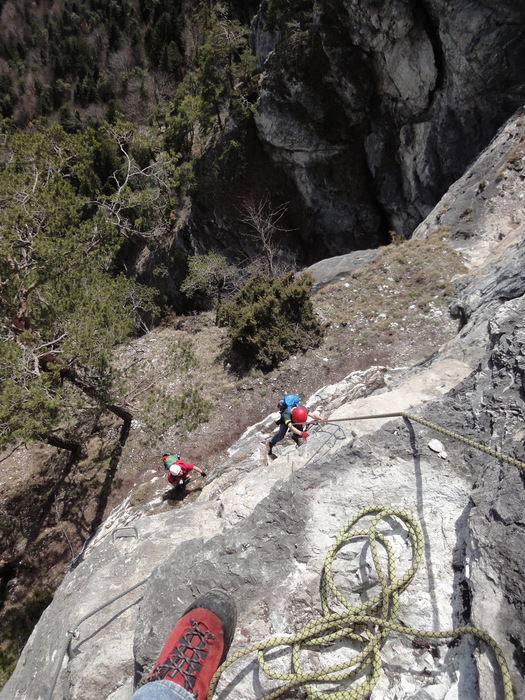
[
  {"x": 281, "y": 433},
  {"x": 278, "y": 435}
]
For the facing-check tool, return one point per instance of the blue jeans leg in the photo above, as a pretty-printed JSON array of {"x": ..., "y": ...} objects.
[
  {"x": 279, "y": 435},
  {"x": 162, "y": 690}
]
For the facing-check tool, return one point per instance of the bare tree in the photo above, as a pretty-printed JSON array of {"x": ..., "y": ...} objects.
[
  {"x": 136, "y": 187},
  {"x": 265, "y": 221}
]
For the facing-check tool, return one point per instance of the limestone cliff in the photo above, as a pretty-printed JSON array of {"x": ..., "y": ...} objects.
[
  {"x": 363, "y": 116},
  {"x": 383, "y": 108},
  {"x": 261, "y": 530},
  {"x": 367, "y": 113}
]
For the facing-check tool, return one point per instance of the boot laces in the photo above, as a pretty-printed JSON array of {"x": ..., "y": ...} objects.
[{"x": 186, "y": 658}]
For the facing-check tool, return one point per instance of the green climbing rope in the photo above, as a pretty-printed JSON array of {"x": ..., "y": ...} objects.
[
  {"x": 456, "y": 436},
  {"x": 365, "y": 626}
]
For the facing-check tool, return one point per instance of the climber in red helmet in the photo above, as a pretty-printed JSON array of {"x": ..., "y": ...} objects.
[{"x": 292, "y": 419}]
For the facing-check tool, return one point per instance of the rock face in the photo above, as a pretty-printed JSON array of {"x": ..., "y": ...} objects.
[
  {"x": 371, "y": 110},
  {"x": 261, "y": 530},
  {"x": 366, "y": 115},
  {"x": 369, "y": 113}
]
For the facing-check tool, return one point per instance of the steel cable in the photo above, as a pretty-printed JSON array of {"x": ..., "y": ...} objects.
[
  {"x": 456, "y": 436},
  {"x": 73, "y": 633}
]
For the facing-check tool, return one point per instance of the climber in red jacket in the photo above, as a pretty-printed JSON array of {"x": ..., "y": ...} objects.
[{"x": 178, "y": 470}]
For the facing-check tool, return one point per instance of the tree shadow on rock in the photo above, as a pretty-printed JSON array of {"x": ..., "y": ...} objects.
[{"x": 111, "y": 471}]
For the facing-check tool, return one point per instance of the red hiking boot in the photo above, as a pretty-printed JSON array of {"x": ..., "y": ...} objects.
[{"x": 198, "y": 644}]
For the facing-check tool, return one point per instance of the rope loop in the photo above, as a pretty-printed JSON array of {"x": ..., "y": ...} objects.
[{"x": 357, "y": 632}]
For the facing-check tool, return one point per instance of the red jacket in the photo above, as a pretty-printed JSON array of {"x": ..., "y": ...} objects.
[{"x": 186, "y": 469}]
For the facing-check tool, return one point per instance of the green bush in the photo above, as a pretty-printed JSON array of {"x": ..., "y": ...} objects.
[{"x": 270, "y": 318}]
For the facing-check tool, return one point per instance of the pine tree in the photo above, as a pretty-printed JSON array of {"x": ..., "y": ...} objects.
[
  {"x": 62, "y": 311},
  {"x": 270, "y": 318}
]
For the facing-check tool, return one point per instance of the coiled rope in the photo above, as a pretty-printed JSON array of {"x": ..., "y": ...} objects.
[
  {"x": 456, "y": 436},
  {"x": 365, "y": 626}
]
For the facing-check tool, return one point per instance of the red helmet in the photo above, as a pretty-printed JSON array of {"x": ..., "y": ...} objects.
[{"x": 299, "y": 414}]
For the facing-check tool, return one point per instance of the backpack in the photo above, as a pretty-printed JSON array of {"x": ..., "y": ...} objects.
[
  {"x": 170, "y": 460},
  {"x": 287, "y": 402}
]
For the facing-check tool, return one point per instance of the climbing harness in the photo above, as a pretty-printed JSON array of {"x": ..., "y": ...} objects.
[
  {"x": 456, "y": 436},
  {"x": 365, "y": 626}
]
